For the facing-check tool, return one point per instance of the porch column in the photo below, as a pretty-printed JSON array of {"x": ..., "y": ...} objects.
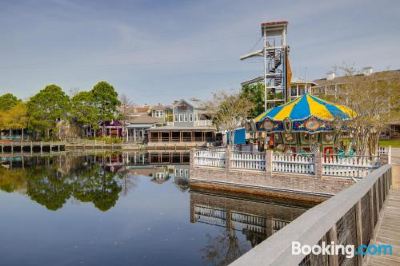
[
  {"x": 192, "y": 135},
  {"x": 180, "y": 136}
]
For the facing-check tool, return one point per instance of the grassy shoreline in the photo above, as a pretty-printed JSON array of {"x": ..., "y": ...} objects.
[{"x": 395, "y": 143}]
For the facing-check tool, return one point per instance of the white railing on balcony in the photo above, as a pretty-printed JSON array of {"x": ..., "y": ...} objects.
[
  {"x": 202, "y": 123},
  {"x": 247, "y": 160},
  {"x": 300, "y": 163},
  {"x": 354, "y": 166},
  {"x": 211, "y": 157}
]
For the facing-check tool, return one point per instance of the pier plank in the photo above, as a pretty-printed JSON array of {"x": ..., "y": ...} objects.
[{"x": 388, "y": 231}]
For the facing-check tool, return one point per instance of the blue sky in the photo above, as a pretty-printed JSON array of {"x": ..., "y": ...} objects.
[{"x": 158, "y": 51}]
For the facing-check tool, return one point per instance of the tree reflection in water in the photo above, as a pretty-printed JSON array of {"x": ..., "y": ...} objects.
[
  {"x": 223, "y": 248},
  {"x": 51, "y": 182}
]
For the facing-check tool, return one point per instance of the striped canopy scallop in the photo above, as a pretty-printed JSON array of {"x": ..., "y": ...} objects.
[{"x": 305, "y": 107}]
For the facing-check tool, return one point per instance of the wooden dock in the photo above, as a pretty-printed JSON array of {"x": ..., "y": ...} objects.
[
  {"x": 30, "y": 147},
  {"x": 388, "y": 231}
]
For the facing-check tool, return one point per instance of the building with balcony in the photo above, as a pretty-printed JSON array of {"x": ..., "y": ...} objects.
[
  {"x": 331, "y": 86},
  {"x": 190, "y": 126}
]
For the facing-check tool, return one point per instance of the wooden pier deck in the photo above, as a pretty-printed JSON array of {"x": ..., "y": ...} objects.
[{"x": 388, "y": 231}]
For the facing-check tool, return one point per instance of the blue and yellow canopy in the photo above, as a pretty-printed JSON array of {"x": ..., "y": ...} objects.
[{"x": 305, "y": 107}]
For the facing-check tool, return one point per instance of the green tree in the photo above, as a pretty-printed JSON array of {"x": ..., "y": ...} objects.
[
  {"x": 15, "y": 118},
  {"x": 84, "y": 110},
  {"x": 7, "y": 101},
  {"x": 106, "y": 101},
  {"x": 98, "y": 186},
  {"x": 255, "y": 94},
  {"x": 48, "y": 187},
  {"x": 46, "y": 108}
]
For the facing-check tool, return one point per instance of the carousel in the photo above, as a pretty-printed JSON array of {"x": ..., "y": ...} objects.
[{"x": 306, "y": 124}]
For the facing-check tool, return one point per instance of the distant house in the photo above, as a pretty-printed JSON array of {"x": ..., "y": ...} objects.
[
  {"x": 142, "y": 118},
  {"x": 191, "y": 126},
  {"x": 112, "y": 129},
  {"x": 162, "y": 111},
  {"x": 137, "y": 127}
]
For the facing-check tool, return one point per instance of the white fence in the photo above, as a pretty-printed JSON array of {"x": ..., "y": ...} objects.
[
  {"x": 202, "y": 123},
  {"x": 326, "y": 165},
  {"x": 384, "y": 150},
  {"x": 355, "y": 166},
  {"x": 212, "y": 157},
  {"x": 301, "y": 164},
  {"x": 248, "y": 160}
]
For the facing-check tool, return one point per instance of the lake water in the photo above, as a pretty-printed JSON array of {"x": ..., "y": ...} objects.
[{"x": 124, "y": 209}]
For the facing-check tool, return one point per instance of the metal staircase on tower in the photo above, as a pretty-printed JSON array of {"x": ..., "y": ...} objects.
[{"x": 275, "y": 53}]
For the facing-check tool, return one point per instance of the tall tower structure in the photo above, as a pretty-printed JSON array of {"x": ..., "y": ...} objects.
[{"x": 276, "y": 66}]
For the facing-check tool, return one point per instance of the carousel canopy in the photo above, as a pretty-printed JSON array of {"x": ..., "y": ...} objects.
[{"x": 305, "y": 107}]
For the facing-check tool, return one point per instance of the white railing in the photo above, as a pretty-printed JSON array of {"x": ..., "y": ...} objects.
[
  {"x": 212, "y": 157},
  {"x": 301, "y": 164},
  {"x": 248, "y": 161},
  {"x": 355, "y": 166},
  {"x": 384, "y": 150},
  {"x": 202, "y": 123},
  {"x": 348, "y": 218},
  {"x": 326, "y": 165}
]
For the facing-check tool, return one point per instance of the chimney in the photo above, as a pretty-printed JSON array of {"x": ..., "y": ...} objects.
[
  {"x": 366, "y": 71},
  {"x": 330, "y": 75}
]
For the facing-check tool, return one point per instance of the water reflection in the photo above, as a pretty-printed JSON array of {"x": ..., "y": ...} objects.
[
  {"x": 96, "y": 178},
  {"x": 254, "y": 219},
  {"x": 158, "y": 220}
]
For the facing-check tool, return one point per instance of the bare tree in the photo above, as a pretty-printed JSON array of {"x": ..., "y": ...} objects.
[
  {"x": 126, "y": 103},
  {"x": 228, "y": 111}
]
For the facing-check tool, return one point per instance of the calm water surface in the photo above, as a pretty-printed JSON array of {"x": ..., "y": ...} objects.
[{"x": 124, "y": 209}]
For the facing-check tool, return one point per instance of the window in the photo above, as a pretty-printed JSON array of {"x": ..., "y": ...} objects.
[
  {"x": 294, "y": 91},
  {"x": 180, "y": 117},
  {"x": 185, "y": 117},
  {"x": 191, "y": 117},
  {"x": 176, "y": 117},
  {"x": 302, "y": 90}
]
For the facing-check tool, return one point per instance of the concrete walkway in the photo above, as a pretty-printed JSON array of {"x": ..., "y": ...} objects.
[{"x": 388, "y": 231}]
